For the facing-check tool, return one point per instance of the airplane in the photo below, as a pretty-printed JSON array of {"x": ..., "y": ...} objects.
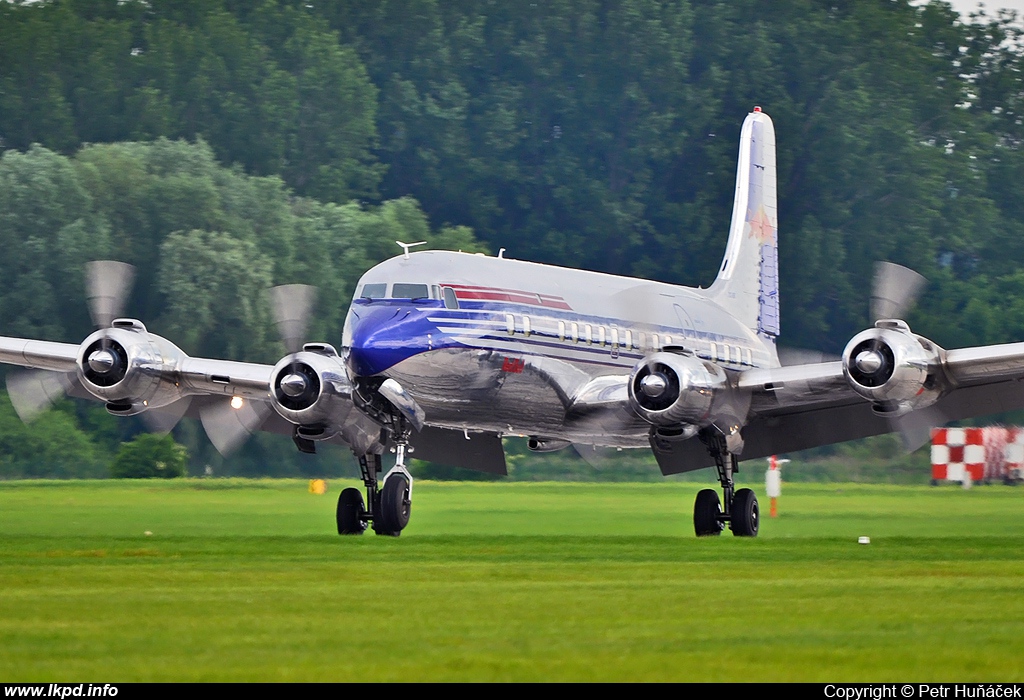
[{"x": 444, "y": 353}]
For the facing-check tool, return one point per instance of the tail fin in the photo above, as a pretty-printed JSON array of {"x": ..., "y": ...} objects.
[{"x": 748, "y": 281}]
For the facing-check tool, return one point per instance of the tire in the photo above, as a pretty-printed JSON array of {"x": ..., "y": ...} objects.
[
  {"x": 746, "y": 515},
  {"x": 395, "y": 507},
  {"x": 706, "y": 511},
  {"x": 350, "y": 512}
]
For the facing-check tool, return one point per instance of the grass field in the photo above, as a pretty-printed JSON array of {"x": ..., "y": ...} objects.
[{"x": 243, "y": 580}]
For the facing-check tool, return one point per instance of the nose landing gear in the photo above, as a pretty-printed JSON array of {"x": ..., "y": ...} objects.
[{"x": 389, "y": 506}]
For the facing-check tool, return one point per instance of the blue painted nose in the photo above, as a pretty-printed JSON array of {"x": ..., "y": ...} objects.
[{"x": 383, "y": 336}]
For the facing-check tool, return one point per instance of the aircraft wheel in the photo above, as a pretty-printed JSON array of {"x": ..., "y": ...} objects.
[
  {"x": 745, "y": 514},
  {"x": 706, "y": 511},
  {"x": 350, "y": 512},
  {"x": 395, "y": 507}
]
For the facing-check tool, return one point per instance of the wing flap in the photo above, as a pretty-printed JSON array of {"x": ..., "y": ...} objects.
[{"x": 481, "y": 452}]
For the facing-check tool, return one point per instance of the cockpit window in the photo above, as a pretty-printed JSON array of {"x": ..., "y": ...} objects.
[
  {"x": 409, "y": 291},
  {"x": 373, "y": 291},
  {"x": 450, "y": 300}
]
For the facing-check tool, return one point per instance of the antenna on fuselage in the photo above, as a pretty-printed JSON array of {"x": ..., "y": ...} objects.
[{"x": 407, "y": 246}]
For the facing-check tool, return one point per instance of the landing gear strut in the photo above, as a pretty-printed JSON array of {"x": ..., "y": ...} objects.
[
  {"x": 388, "y": 507},
  {"x": 740, "y": 507}
]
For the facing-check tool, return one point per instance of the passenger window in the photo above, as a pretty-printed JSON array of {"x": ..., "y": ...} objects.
[
  {"x": 668, "y": 340},
  {"x": 615, "y": 337},
  {"x": 600, "y": 335},
  {"x": 587, "y": 335},
  {"x": 450, "y": 300},
  {"x": 374, "y": 291},
  {"x": 655, "y": 345},
  {"x": 629, "y": 339},
  {"x": 749, "y": 356},
  {"x": 561, "y": 330},
  {"x": 526, "y": 326},
  {"x": 510, "y": 324},
  {"x": 574, "y": 333},
  {"x": 714, "y": 351}
]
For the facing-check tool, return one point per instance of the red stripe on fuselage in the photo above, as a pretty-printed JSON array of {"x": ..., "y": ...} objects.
[{"x": 514, "y": 296}]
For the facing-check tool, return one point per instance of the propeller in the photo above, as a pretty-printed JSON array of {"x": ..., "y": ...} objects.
[
  {"x": 292, "y": 305},
  {"x": 895, "y": 290},
  {"x": 229, "y": 427},
  {"x": 230, "y": 422},
  {"x": 108, "y": 283},
  {"x": 789, "y": 357},
  {"x": 32, "y": 392}
]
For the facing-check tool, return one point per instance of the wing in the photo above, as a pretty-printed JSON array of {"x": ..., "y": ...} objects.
[
  {"x": 796, "y": 408},
  {"x": 157, "y": 376}
]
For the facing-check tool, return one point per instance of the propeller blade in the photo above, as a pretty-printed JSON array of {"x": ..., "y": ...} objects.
[
  {"x": 32, "y": 392},
  {"x": 108, "y": 285},
  {"x": 229, "y": 427},
  {"x": 791, "y": 357},
  {"x": 599, "y": 457},
  {"x": 895, "y": 290},
  {"x": 292, "y": 305},
  {"x": 163, "y": 419},
  {"x": 915, "y": 427}
]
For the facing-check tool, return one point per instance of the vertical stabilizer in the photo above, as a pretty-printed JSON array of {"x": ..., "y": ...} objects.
[{"x": 748, "y": 281}]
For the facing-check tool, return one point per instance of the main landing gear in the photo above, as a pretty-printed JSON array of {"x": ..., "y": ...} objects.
[
  {"x": 741, "y": 510},
  {"x": 389, "y": 506}
]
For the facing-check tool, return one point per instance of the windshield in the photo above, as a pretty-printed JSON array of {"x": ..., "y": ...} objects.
[
  {"x": 373, "y": 291},
  {"x": 398, "y": 290},
  {"x": 409, "y": 291}
]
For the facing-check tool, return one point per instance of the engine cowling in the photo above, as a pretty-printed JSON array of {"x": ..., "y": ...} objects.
[
  {"x": 671, "y": 389},
  {"x": 311, "y": 389},
  {"x": 893, "y": 368},
  {"x": 129, "y": 368}
]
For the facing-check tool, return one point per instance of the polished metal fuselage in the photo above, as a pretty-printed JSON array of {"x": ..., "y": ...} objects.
[{"x": 533, "y": 349}]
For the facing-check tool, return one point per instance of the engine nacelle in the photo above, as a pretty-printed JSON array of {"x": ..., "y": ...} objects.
[
  {"x": 129, "y": 368},
  {"x": 667, "y": 388},
  {"x": 893, "y": 368},
  {"x": 311, "y": 389}
]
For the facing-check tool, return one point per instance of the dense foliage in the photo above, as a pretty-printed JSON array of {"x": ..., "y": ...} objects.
[
  {"x": 150, "y": 456},
  {"x": 224, "y": 146}
]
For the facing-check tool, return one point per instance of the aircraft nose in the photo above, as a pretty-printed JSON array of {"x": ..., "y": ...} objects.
[{"x": 381, "y": 338}]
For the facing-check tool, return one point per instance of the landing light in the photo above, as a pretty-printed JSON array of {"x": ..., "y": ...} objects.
[{"x": 236, "y": 402}]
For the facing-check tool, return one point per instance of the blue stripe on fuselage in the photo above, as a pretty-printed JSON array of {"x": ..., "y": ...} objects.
[{"x": 386, "y": 332}]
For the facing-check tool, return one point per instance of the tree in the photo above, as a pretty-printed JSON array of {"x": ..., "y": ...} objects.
[{"x": 150, "y": 456}]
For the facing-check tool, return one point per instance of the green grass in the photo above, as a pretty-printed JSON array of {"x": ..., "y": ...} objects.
[{"x": 243, "y": 580}]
